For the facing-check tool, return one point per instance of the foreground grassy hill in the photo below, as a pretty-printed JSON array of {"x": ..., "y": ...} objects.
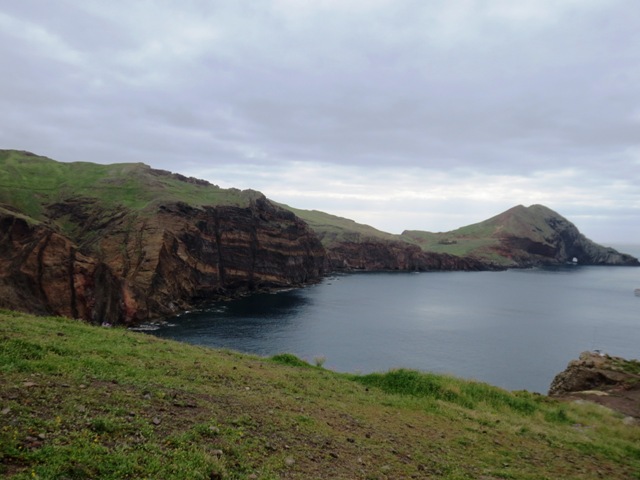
[{"x": 78, "y": 401}]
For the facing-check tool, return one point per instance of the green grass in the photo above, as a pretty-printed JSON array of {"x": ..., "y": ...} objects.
[
  {"x": 332, "y": 229},
  {"x": 78, "y": 401},
  {"x": 627, "y": 366},
  {"x": 449, "y": 389},
  {"x": 31, "y": 182}
]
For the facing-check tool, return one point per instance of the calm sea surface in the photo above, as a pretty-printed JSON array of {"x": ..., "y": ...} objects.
[{"x": 515, "y": 329}]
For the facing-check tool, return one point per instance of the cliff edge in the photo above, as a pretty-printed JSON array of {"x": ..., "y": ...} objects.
[
  {"x": 126, "y": 243},
  {"x": 613, "y": 382}
]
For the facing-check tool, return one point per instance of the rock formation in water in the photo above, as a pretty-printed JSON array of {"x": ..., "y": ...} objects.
[{"x": 610, "y": 381}]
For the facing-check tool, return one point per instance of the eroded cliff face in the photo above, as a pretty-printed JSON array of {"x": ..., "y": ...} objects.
[
  {"x": 377, "y": 255},
  {"x": 42, "y": 271},
  {"x": 127, "y": 267},
  {"x": 564, "y": 246}
]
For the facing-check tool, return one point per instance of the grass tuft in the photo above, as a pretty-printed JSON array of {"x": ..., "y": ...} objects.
[{"x": 290, "y": 359}]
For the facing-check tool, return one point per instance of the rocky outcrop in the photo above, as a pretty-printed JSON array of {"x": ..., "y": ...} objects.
[
  {"x": 607, "y": 380},
  {"x": 379, "y": 255},
  {"x": 126, "y": 267}
]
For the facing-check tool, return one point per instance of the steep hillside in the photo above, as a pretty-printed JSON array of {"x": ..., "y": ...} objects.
[
  {"x": 78, "y": 401},
  {"x": 123, "y": 243},
  {"x": 522, "y": 237}
]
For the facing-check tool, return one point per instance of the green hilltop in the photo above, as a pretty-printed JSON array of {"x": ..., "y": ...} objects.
[
  {"x": 78, "y": 401},
  {"x": 519, "y": 221},
  {"x": 30, "y": 182}
]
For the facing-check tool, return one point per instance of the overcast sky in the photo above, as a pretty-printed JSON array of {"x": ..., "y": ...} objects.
[{"x": 403, "y": 114}]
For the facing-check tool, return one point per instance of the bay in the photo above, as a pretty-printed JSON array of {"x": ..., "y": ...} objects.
[{"x": 515, "y": 329}]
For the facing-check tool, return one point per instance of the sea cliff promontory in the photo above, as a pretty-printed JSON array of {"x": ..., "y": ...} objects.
[{"x": 126, "y": 243}]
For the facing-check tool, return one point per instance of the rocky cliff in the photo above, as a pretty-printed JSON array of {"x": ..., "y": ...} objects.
[
  {"x": 376, "y": 255},
  {"x": 138, "y": 267},
  {"x": 124, "y": 243},
  {"x": 600, "y": 378},
  {"x": 124, "y": 261}
]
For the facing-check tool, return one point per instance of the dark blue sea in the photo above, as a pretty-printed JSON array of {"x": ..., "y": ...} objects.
[{"x": 515, "y": 329}]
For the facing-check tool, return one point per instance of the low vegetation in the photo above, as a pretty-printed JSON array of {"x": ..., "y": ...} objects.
[{"x": 78, "y": 401}]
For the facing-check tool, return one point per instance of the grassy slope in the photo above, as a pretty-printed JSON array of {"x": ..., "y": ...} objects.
[
  {"x": 29, "y": 182},
  {"x": 479, "y": 238},
  {"x": 332, "y": 228},
  {"x": 87, "y": 402},
  {"x": 475, "y": 240}
]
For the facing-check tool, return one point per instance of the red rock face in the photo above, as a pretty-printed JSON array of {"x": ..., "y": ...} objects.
[
  {"x": 387, "y": 255},
  {"x": 135, "y": 267},
  {"x": 124, "y": 267},
  {"x": 42, "y": 272}
]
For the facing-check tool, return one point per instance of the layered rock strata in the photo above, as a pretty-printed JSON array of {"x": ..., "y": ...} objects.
[
  {"x": 131, "y": 267},
  {"x": 380, "y": 255}
]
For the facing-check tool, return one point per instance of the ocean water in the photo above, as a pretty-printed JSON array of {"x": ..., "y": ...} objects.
[{"x": 515, "y": 329}]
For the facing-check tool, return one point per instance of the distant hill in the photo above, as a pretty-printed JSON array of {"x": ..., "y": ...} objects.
[
  {"x": 520, "y": 237},
  {"x": 124, "y": 243},
  {"x": 332, "y": 229}
]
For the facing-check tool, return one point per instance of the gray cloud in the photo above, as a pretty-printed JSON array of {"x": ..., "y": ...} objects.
[{"x": 457, "y": 91}]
